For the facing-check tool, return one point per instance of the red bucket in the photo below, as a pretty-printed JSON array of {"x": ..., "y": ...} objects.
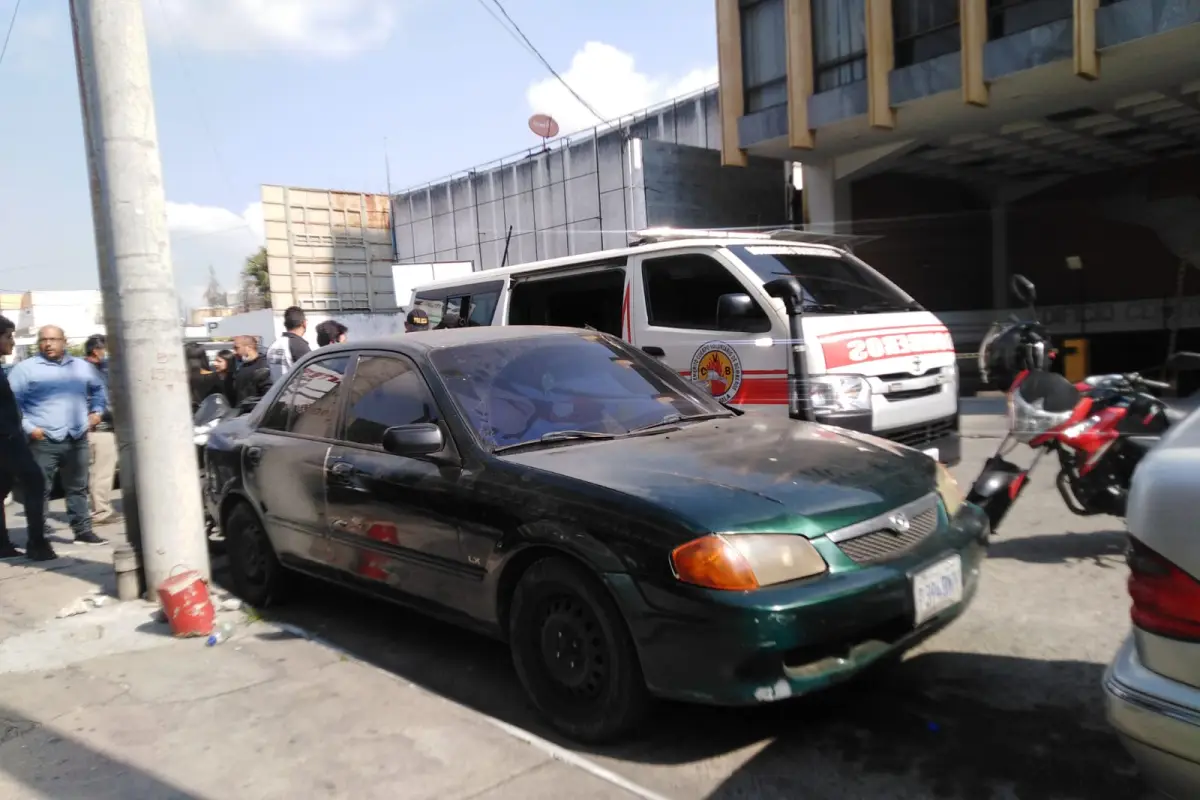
[{"x": 185, "y": 601}]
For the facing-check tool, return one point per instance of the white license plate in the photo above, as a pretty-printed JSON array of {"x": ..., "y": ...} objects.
[
  {"x": 932, "y": 452},
  {"x": 937, "y": 588}
]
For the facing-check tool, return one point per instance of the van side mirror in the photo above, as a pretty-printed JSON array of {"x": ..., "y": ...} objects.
[
  {"x": 736, "y": 311},
  {"x": 1024, "y": 290},
  {"x": 421, "y": 439}
]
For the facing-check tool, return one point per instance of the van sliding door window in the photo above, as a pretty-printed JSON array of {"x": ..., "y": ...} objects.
[
  {"x": 584, "y": 300},
  {"x": 683, "y": 291}
]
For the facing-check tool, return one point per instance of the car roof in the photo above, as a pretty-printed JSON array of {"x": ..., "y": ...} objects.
[{"x": 418, "y": 342}]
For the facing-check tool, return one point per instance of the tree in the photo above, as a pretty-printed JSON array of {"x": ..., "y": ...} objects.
[{"x": 256, "y": 281}]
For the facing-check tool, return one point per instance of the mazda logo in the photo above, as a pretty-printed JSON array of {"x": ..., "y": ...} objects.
[{"x": 899, "y": 522}]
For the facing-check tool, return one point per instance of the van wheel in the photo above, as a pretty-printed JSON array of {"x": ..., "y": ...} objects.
[
  {"x": 573, "y": 653},
  {"x": 258, "y": 577}
]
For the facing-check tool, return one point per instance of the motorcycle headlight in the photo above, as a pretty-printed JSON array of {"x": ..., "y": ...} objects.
[
  {"x": 839, "y": 393},
  {"x": 1027, "y": 421},
  {"x": 949, "y": 490},
  {"x": 746, "y": 561}
]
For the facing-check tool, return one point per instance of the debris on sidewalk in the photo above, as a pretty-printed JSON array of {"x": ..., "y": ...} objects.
[{"x": 83, "y": 605}]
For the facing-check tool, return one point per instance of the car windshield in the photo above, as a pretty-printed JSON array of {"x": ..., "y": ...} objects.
[
  {"x": 564, "y": 386},
  {"x": 831, "y": 283}
]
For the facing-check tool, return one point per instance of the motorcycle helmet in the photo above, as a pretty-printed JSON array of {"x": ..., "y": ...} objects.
[{"x": 1008, "y": 348}]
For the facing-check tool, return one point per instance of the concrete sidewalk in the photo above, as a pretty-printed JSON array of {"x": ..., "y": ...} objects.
[{"x": 106, "y": 704}]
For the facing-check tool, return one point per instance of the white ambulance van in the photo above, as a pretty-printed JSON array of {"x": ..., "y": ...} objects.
[{"x": 874, "y": 360}]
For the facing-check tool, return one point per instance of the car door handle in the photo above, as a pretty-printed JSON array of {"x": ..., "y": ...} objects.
[
  {"x": 654, "y": 350},
  {"x": 341, "y": 524},
  {"x": 254, "y": 454},
  {"x": 342, "y": 469}
]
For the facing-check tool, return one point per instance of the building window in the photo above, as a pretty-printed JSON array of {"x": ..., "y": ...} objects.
[
  {"x": 1008, "y": 17},
  {"x": 764, "y": 53},
  {"x": 924, "y": 30},
  {"x": 840, "y": 42}
]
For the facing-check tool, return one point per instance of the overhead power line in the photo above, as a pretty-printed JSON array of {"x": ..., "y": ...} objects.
[
  {"x": 518, "y": 34},
  {"x": 8, "y": 35}
]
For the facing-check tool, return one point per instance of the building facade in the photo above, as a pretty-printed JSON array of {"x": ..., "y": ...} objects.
[{"x": 980, "y": 138}]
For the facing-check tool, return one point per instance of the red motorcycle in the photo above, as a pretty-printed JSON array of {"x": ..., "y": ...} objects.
[{"x": 1100, "y": 428}]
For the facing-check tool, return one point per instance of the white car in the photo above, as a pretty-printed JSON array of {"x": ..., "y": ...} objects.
[{"x": 1152, "y": 687}]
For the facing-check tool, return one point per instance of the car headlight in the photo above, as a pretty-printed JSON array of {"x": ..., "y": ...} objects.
[
  {"x": 840, "y": 393},
  {"x": 949, "y": 490},
  {"x": 745, "y": 561}
]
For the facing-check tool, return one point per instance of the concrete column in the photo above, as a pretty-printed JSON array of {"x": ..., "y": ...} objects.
[
  {"x": 1000, "y": 292},
  {"x": 826, "y": 199}
]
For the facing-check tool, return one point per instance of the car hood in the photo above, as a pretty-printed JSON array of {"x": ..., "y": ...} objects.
[{"x": 750, "y": 474}]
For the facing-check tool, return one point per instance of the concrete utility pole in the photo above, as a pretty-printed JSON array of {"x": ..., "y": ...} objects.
[{"x": 149, "y": 382}]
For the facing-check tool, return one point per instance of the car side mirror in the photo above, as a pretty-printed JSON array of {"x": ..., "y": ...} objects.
[
  {"x": 1184, "y": 361},
  {"x": 421, "y": 439},
  {"x": 1024, "y": 290},
  {"x": 735, "y": 311}
]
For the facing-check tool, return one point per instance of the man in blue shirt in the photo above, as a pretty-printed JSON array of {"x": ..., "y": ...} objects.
[
  {"x": 18, "y": 468},
  {"x": 61, "y": 398}
]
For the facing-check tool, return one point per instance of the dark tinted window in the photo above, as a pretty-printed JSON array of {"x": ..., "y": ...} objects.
[
  {"x": 519, "y": 390},
  {"x": 840, "y": 283},
  {"x": 308, "y": 403},
  {"x": 387, "y": 391},
  {"x": 587, "y": 299},
  {"x": 682, "y": 292}
]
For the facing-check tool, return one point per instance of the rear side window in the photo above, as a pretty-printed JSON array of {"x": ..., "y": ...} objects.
[
  {"x": 387, "y": 391},
  {"x": 468, "y": 306},
  {"x": 307, "y": 406},
  {"x": 683, "y": 291}
]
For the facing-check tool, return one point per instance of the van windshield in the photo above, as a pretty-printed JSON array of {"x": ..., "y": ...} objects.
[{"x": 832, "y": 284}]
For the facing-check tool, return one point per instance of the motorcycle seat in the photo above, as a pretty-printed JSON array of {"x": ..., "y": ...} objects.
[{"x": 1176, "y": 409}]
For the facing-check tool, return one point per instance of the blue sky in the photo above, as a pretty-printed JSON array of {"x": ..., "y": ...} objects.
[{"x": 303, "y": 93}]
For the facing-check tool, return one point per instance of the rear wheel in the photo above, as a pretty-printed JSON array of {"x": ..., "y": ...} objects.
[
  {"x": 573, "y": 653},
  {"x": 258, "y": 577}
]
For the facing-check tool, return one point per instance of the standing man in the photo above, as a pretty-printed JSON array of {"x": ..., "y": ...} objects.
[
  {"x": 61, "y": 398},
  {"x": 417, "y": 320},
  {"x": 102, "y": 441},
  {"x": 291, "y": 346},
  {"x": 253, "y": 376},
  {"x": 18, "y": 468}
]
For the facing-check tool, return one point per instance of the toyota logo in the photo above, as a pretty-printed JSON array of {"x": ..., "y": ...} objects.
[
  {"x": 899, "y": 522},
  {"x": 916, "y": 366}
]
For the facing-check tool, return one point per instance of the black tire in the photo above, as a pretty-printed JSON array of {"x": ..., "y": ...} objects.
[
  {"x": 596, "y": 696},
  {"x": 258, "y": 577}
]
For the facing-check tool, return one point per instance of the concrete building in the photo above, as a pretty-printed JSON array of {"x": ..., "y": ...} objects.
[{"x": 979, "y": 138}]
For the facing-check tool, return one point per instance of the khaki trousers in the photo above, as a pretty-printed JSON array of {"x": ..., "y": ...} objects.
[{"x": 103, "y": 468}]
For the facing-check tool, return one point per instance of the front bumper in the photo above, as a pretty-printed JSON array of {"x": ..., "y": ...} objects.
[
  {"x": 938, "y": 434},
  {"x": 1158, "y": 722},
  {"x": 744, "y": 648}
]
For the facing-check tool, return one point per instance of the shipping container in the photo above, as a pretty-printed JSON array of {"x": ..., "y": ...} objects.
[
  {"x": 579, "y": 194},
  {"x": 328, "y": 250}
]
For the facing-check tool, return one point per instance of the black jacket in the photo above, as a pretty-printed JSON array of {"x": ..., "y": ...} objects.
[
  {"x": 252, "y": 380},
  {"x": 10, "y": 413}
]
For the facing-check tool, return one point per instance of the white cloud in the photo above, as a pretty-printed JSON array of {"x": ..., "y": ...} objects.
[
  {"x": 608, "y": 79},
  {"x": 204, "y": 236},
  {"x": 331, "y": 28}
]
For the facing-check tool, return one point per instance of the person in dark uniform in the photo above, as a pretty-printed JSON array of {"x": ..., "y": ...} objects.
[{"x": 19, "y": 469}]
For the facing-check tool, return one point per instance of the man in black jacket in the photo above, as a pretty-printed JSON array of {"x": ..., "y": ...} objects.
[
  {"x": 253, "y": 376},
  {"x": 18, "y": 468}
]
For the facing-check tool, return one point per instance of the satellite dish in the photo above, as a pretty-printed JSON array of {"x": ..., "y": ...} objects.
[{"x": 543, "y": 125}]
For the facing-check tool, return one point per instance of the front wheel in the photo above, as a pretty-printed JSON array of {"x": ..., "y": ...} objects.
[{"x": 573, "y": 653}]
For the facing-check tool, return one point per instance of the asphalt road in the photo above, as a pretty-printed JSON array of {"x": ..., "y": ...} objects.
[{"x": 1006, "y": 703}]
